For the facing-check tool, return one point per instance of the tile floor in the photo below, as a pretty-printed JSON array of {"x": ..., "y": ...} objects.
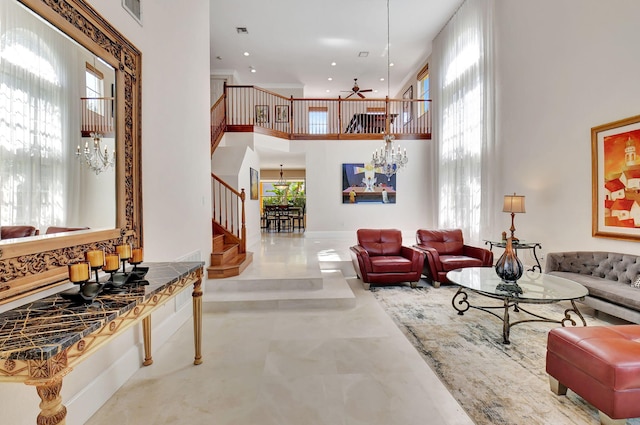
[{"x": 289, "y": 366}]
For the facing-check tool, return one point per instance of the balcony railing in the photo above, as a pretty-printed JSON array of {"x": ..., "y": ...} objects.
[
  {"x": 97, "y": 115},
  {"x": 252, "y": 109}
]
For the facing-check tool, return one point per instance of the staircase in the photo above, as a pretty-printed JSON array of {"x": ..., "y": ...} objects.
[
  {"x": 229, "y": 256},
  {"x": 226, "y": 258}
]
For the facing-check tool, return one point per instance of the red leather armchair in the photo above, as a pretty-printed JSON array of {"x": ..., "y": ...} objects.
[
  {"x": 10, "y": 232},
  {"x": 379, "y": 258},
  {"x": 445, "y": 251}
]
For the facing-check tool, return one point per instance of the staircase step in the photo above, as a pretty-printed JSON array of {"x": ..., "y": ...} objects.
[
  {"x": 226, "y": 255},
  {"x": 231, "y": 268},
  {"x": 335, "y": 292},
  {"x": 217, "y": 243},
  {"x": 279, "y": 284}
]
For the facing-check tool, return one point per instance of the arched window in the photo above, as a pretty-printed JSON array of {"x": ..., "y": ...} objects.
[{"x": 35, "y": 119}]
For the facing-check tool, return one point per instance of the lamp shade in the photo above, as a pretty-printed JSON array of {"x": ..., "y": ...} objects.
[{"x": 513, "y": 204}]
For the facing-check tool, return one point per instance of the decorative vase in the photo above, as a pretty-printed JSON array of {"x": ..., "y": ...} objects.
[{"x": 509, "y": 267}]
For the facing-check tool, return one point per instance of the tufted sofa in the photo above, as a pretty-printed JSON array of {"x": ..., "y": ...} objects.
[{"x": 607, "y": 275}]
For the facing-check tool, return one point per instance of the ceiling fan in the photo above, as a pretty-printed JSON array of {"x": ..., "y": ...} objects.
[{"x": 356, "y": 90}]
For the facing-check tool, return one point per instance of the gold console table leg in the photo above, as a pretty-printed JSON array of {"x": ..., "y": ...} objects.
[
  {"x": 197, "y": 320},
  {"x": 52, "y": 411},
  {"x": 146, "y": 331}
]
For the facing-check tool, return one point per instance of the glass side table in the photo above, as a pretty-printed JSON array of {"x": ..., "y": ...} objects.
[{"x": 519, "y": 245}]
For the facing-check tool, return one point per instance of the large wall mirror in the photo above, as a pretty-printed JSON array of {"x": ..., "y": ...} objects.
[{"x": 68, "y": 82}]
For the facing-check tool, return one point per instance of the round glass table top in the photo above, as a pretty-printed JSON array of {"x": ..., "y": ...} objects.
[{"x": 535, "y": 286}]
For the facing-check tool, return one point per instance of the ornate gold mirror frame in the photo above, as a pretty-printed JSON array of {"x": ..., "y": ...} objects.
[{"x": 30, "y": 266}]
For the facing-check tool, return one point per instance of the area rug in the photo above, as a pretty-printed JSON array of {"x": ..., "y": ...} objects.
[{"x": 493, "y": 382}]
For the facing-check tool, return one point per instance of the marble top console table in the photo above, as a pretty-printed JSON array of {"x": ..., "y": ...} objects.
[{"x": 41, "y": 342}]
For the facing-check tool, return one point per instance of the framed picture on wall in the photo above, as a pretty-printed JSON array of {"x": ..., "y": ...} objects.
[
  {"x": 364, "y": 183},
  {"x": 253, "y": 184},
  {"x": 615, "y": 169},
  {"x": 262, "y": 114},
  {"x": 282, "y": 113}
]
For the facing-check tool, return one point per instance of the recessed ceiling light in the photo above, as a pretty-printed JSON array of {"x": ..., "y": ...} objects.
[
  {"x": 328, "y": 91},
  {"x": 382, "y": 79},
  {"x": 246, "y": 53},
  {"x": 253, "y": 70},
  {"x": 333, "y": 64},
  {"x": 330, "y": 79},
  {"x": 391, "y": 64},
  {"x": 363, "y": 54}
]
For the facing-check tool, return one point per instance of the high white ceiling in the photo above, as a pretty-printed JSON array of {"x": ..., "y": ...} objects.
[{"x": 292, "y": 43}]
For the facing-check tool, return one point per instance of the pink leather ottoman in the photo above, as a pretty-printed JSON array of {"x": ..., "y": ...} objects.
[{"x": 601, "y": 364}]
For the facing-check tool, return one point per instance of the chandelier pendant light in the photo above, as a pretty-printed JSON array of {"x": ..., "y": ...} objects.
[
  {"x": 95, "y": 158},
  {"x": 282, "y": 183},
  {"x": 389, "y": 159}
]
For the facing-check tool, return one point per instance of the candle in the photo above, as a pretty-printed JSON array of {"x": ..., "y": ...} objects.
[
  {"x": 95, "y": 258},
  {"x": 79, "y": 272},
  {"x": 124, "y": 251},
  {"x": 136, "y": 256},
  {"x": 111, "y": 263}
]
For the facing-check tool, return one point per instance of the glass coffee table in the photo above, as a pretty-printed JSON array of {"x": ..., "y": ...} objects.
[{"x": 532, "y": 288}]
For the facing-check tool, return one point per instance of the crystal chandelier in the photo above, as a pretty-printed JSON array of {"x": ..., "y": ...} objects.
[
  {"x": 96, "y": 159},
  {"x": 388, "y": 160}
]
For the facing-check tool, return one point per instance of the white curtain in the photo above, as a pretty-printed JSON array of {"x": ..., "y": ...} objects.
[
  {"x": 463, "y": 108},
  {"x": 40, "y": 84}
]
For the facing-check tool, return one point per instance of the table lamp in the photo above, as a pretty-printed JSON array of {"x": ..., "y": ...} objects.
[{"x": 513, "y": 204}]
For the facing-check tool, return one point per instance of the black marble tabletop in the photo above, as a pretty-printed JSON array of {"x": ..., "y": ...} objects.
[{"x": 41, "y": 329}]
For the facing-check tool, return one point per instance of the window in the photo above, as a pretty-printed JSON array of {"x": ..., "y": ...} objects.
[
  {"x": 94, "y": 89},
  {"x": 134, "y": 8},
  {"x": 32, "y": 106},
  {"x": 318, "y": 118},
  {"x": 423, "y": 88}
]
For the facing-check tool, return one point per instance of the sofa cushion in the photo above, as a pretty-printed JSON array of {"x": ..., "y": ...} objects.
[
  {"x": 390, "y": 264},
  {"x": 380, "y": 241},
  {"x": 607, "y": 265},
  {"x": 452, "y": 262},
  {"x": 448, "y": 241},
  {"x": 610, "y": 354},
  {"x": 616, "y": 292}
]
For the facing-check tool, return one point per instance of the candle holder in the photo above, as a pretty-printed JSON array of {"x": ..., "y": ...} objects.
[
  {"x": 135, "y": 260},
  {"x": 79, "y": 274},
  {"x": 112, "y": 265},
  {"x": 96, "y": 260},
  {"x": 124, "y": 251}
]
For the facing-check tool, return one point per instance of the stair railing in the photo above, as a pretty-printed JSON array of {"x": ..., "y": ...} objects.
[
  {"x": 218, "y": 121},
  {"x": 229, "y": 211}
]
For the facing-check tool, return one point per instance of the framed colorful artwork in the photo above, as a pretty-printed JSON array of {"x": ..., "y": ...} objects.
[
  {"x": 253, "y": 183},
  {"x": 364, "y": 183},
  {"x": 282, "y": 113},
  {"x": 262, "y": 114},
  {"x": 615, "y": 165}
]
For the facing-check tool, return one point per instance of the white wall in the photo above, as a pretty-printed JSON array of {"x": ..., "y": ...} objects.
[
  {"x": 563, "y": 68},
  {"x": 176, "y": 200},
  {"x": 327, "y": 213}
]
